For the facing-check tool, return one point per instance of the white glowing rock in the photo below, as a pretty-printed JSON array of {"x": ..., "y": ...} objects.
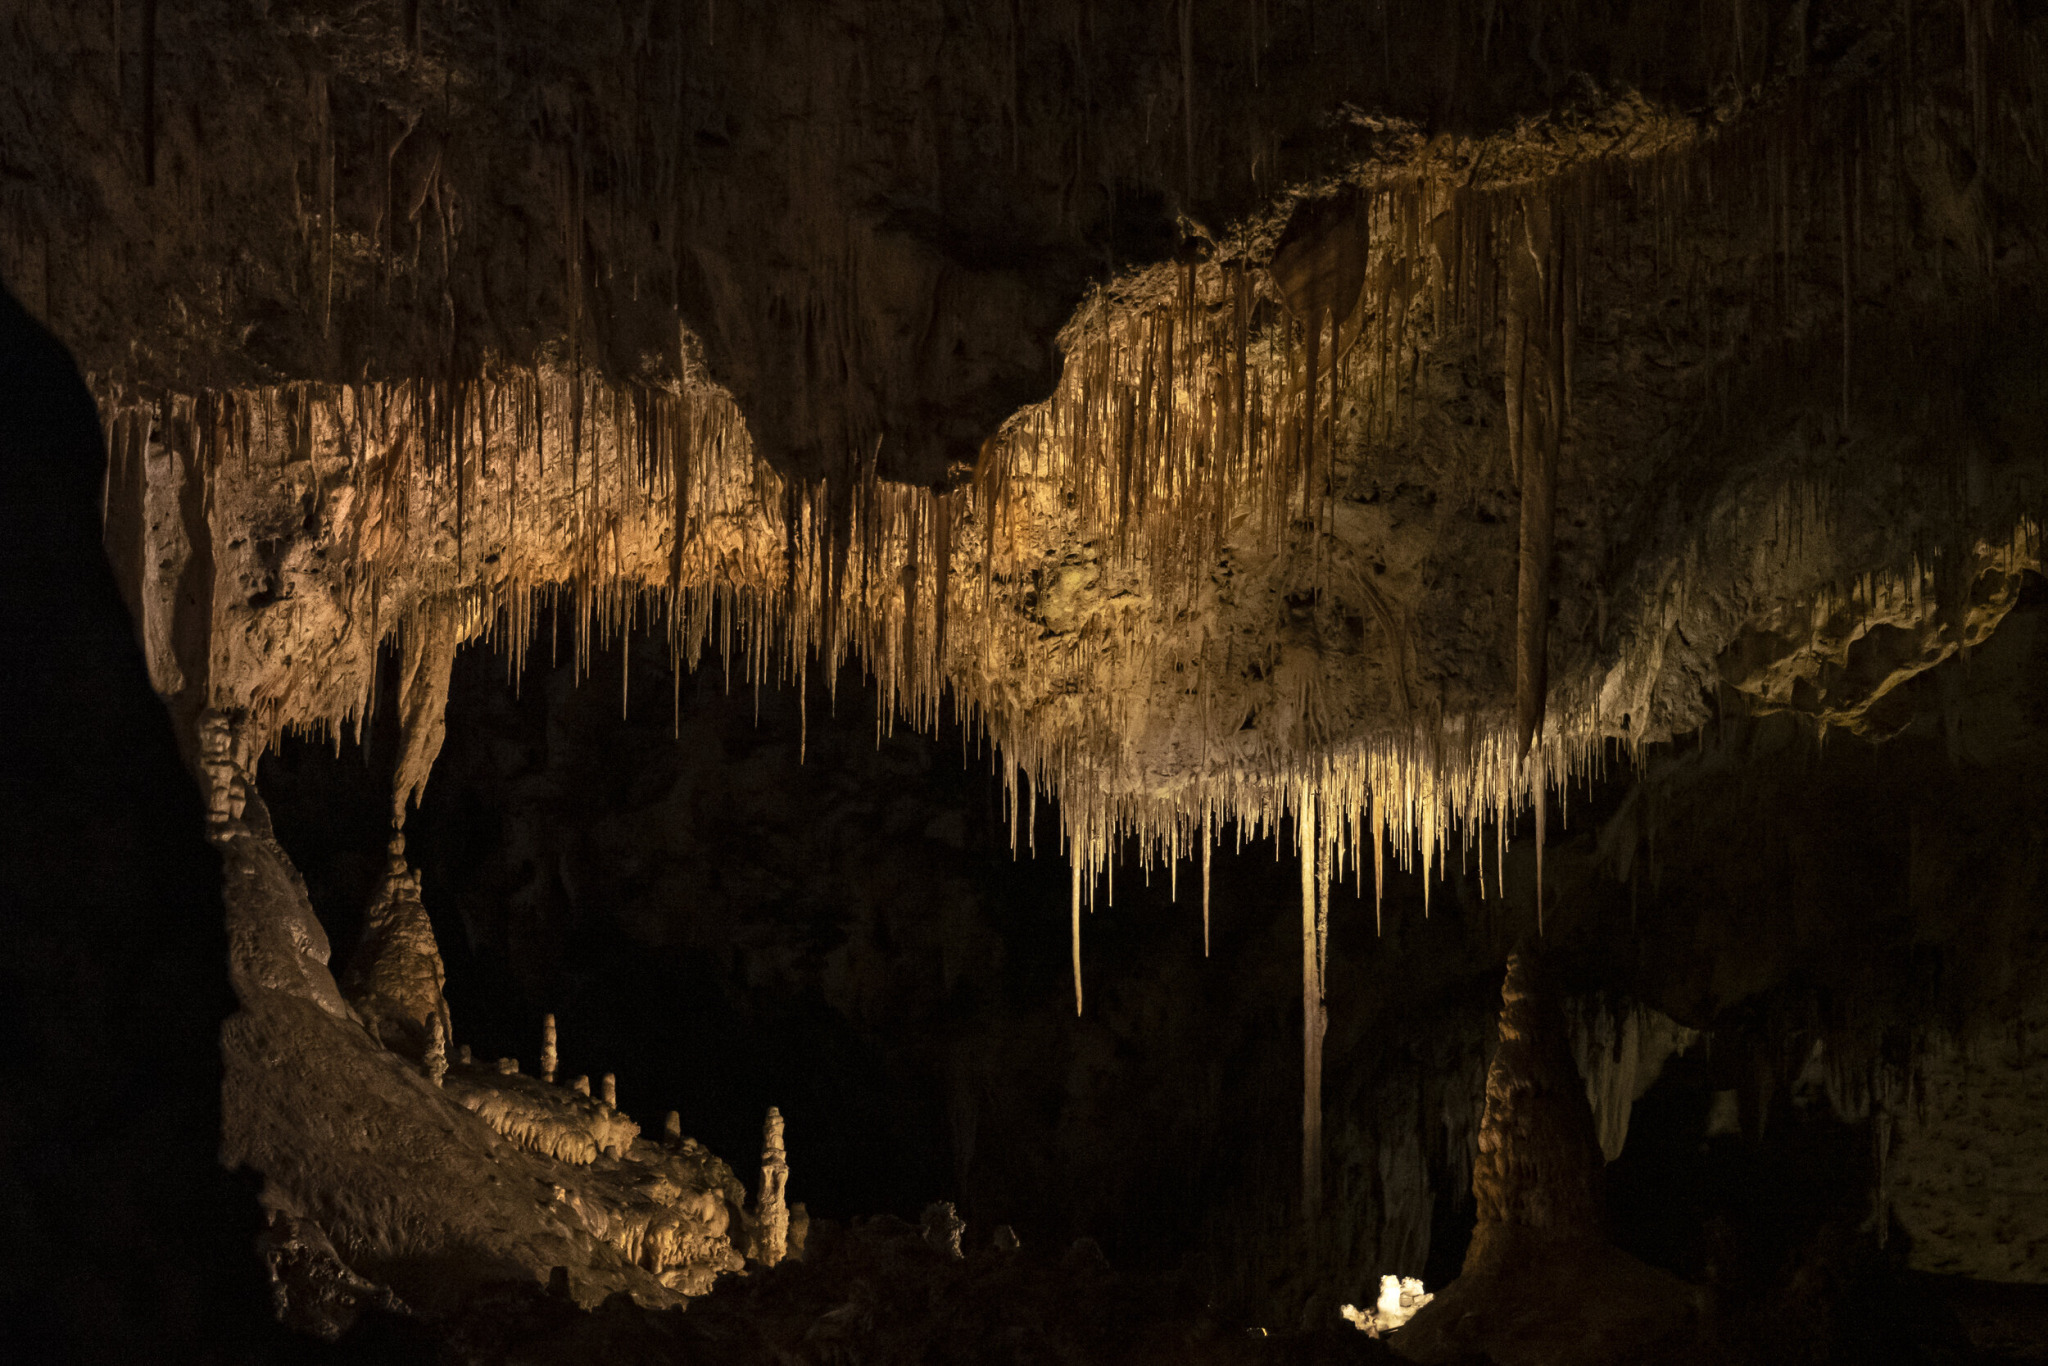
[{"x": 1400, "y": 1297}]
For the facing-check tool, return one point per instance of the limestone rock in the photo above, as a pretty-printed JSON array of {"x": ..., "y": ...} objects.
[
  {"x": 1541, "y": 1285},
  {"x": 942, "y": 1229},
  {"x": 771, "y": 1238},
  {"x": 395, "y": 977}
]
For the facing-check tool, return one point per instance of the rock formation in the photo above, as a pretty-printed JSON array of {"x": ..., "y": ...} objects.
[
  {"x": 943, "y": 1228},
  {"x": 1243, "y": 417},
  {"x": 771, "y": 1237},
  {"x": 395, "y": 978},
  {"x": 432, "y": 1191},
  {"x": 1541, "y": 1284},
  {"x": 1537, "y": 1179}
]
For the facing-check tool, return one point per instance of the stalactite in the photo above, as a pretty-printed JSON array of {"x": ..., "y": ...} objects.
[
  {"x": 148, "y": 93},
  {"x": 1314, "y": 940},
  {"x": 1208, "y": 846},
  {"x": 1196, "y": 417},
  {"x": 1076, "y": 937}
]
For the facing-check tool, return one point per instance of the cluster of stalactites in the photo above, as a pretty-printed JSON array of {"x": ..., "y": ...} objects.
[{"x": 1200, "y": 411}]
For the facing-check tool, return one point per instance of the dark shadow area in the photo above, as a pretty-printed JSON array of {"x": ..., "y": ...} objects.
[{"x": 123, "y": 1238}]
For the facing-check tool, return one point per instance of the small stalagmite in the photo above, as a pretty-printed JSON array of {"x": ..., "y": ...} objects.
[
  {"x": 943, "y": 1228},
  {"x": 436, "y": 1062},
  {"x": 548, "y": 1056},
  {"x": 771, "y": 1239},
  {"x": 608, "y": 1090},
  {"x": 672, "y": 1127},
  {"x": 581, "y": 1086}
]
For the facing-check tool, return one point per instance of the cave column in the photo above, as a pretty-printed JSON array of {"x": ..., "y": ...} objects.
[{"x": 1315, "y": 934}]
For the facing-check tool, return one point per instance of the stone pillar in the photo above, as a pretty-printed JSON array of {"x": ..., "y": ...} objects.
[
  {"x": 547, "y": 1049},
  {"x": 772, "y": 1238},
  {"x": 608, "y": 1090}
]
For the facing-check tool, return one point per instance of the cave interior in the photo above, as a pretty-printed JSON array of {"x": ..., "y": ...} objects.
[{"x": 1106, "y": 681}]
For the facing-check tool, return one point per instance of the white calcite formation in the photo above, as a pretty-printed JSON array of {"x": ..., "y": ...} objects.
[{"x": 1399, "y": 1298}]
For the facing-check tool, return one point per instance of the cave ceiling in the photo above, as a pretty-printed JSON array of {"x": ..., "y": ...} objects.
[{"x": 1226, "y": 406}]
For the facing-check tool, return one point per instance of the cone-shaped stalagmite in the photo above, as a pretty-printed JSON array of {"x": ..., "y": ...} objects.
[
  {"x": 395, "y": 978},
  {"x": 1541, "y": 1283},
  {"x": 1539, "y": 1164}
]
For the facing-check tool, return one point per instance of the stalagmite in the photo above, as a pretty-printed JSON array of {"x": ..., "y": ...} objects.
[
  {"x": 608, "y": 1090},
  {"x": 547, "y": 1048},
  {"x": 672, "y": 1127},
  {"x": 395, "y": 979},
  {"x": 436, "y": 1062},
  {"x": 1539, "y": 1157},
  {"x": 581, "y": 1086},
  {"x": 943, "y": 1228},
  {"x": 771, "y": 1209},
  {"x": 1539, "y": 1260}
]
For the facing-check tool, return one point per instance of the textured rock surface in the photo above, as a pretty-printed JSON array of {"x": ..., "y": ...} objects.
[
  {"x": 1967, "y": 1176},
  {"x": 411, "y": 1192},
  {"x": 1541, "y": 1283},
  {"x": 539, "y": 298},
  {"x": 1538, "y": 1173},
  {"x": 395, "y": 977},
  {"x": 408, "y": 329}
]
